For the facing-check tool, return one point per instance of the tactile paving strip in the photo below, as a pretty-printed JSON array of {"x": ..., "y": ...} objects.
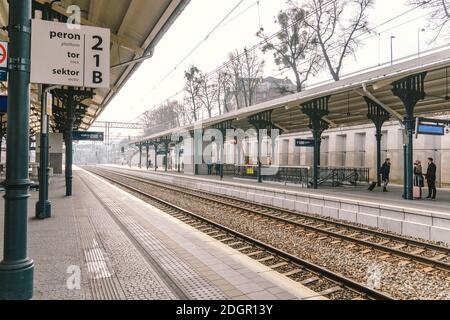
[
  {"x": 109, "y": 251},
  {"x": 192, "y": 283}
]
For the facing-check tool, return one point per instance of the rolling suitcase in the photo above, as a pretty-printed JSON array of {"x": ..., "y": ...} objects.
[
  {"x": 372, "y": 186},
  {"x": 417, "y": 193},
  {"x": 417, "y": 190}
]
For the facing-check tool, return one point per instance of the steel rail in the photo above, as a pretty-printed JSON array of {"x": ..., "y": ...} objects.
[
  {"x": 426, "y": 260},
  {"x": 335, "y": 277}
]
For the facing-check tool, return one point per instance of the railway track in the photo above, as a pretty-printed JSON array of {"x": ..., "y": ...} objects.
[
  {"x": 407, "y": 250},
  {"x": 321, "y": 280}
]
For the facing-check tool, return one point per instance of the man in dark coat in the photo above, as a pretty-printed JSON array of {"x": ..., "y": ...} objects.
[
  {"x": 431, "y": 179},
  {"x": 385, "y": 171}
]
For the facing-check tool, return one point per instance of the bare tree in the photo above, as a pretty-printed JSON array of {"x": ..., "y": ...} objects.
[
  {"x": 246, "y": 69},
  {"x": 192, "y": 87},
  {"x": 253, "y": 70},
  {"x": 335, "y": 32},
  {"x": 224, "y": 91},
  {"x": 207, "y": 93},
  {"x": 162, "y": 118},
  {"x": 440, "y": 14},
  {"x": 295, "y": 47},
  {"x": 234, "y": 69}
]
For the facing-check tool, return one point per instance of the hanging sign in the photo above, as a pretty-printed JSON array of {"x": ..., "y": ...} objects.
[
  {"x": 431, "y": 129},
  {"x": 3, "y": 61},
  {"x": 87, "y": 136},
  {"x": 309, "y": 143},
  {"x": 71, "y": 57}
]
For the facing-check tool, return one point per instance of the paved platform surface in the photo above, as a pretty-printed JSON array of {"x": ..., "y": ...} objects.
[{"x": 103, "y": 243}]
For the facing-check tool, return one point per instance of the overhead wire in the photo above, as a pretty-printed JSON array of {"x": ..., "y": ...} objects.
[{"x": 333, "y": 49}]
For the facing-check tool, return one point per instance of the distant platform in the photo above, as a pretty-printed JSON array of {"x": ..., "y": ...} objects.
[
  {"x": 104, "y": 243},
  {"x": 424, "y": 219}
]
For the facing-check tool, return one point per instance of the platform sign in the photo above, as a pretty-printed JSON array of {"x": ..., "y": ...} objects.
[
  {"x": 3, "y": 61},
  {"x": 3, "y": 104},
  {"x": 71, "y": 57},
  {"x": 309, "y": 143},
  {"x": 431, "y": 129},
  {"x": 87, "y": 136}
]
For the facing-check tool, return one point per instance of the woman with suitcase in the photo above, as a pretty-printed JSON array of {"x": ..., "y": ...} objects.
[{"x": 418, "y": 180}]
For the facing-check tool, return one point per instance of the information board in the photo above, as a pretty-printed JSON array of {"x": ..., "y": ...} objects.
[
  {"x": 87, "y": 136},
  {"x": 71, "y": 57},
  {"x": 431, "y": 129},
  {"x": 309, "y": 143}
]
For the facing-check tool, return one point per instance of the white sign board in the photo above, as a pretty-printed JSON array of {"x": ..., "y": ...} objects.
[
  {"x": 3, "y": 55},
  {"x": 71, "y": 57}
]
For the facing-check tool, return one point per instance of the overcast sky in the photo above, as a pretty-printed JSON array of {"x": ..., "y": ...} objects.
[{"x": 143, "y": 92}]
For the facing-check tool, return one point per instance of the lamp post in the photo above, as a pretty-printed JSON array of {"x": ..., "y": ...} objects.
[
  {"x": 418, "y": 40},
  {"x": 392, "y": 52}
]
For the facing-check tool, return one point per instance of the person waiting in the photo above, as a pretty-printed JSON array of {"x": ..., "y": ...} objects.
[
  {"x": 418, "y": 178},
  {"x": 385, "y": 172},
  {"x": 431, "y": 179}
]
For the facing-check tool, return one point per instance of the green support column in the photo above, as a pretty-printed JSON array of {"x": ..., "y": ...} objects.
[
  {"x": 16, "y": 269},
  {"x": 147, "y": 152},
  {"x": 71, "y": 97},
  {"x": 156, "y": 156},
  {"x": 69, "y": 142},
  {"x": 261, "y": 121},
  {"x": 43, "y": 206},
  {"x": 140, "y": 156},
  {"x": 316, "y": 109},
  {"x": 222, "y": 127},
  {"x": 379, "y": 116},
  {"x": 1, "y": 135},
  {"x": 166, "y": 146},
  {"x": 410, "y": 90}
]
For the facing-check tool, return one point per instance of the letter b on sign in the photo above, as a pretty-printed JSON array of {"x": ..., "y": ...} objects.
[{"x": 97, "y": 77}]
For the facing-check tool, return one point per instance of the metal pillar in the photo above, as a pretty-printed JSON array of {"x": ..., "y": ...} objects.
[
  {"x": 69, "y": 143},
  {"x": 43, "y": 206},
  {"x": 1, "y": 135},
  {"x": 379, "y": 116},
  {"x": 71, "y": 97},
  {"x": 16, "y": 269},
  {"x": 166, "y": 146},
  {"x": 410, "y": 90},
  {"x": 147, "y": 149},
  {"x": 156, "y": 156},
  {"x": 261, "y": 121},
  {"x": 223, "y": 127},
  {"x": 140, "y": 156},
  {"x": 316, "y": 109}
]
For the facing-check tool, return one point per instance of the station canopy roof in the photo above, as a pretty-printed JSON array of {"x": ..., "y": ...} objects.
[
  {"x": 136, "y": 27},
  {"x": 347, "y": 106}
]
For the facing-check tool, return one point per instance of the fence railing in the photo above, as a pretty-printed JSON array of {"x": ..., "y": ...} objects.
[
  {"x": 340, "y": 176},
  {"x": 328, "y": 176}
]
